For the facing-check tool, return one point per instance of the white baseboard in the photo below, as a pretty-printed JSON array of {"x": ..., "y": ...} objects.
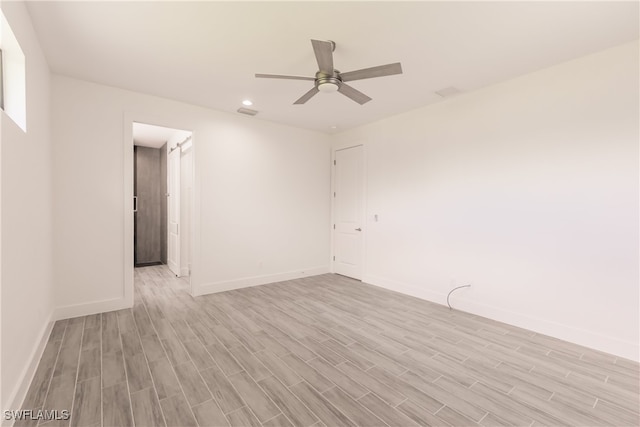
[
  {"x": 245, "y": 282},
  {"x": 612, "y": 345},
  {"x": 20, "y": 392},
  {"x": 77, "y": 310}
]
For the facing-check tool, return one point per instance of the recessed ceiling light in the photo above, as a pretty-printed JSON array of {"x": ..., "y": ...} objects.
[
  {"x": 333, "y": 127},
  {"x": 247, "y": 103}
]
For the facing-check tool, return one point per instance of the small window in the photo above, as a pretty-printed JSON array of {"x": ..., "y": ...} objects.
[
  {"x": 13, "y": 95},
  {"x": 1, "y": 82}
]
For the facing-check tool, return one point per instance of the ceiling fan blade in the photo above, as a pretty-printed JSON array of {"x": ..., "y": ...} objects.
[
  {"x": 354, "y": 94},
  {"x": 367, "y": 73},
  {"x": 278, "y": 76},
  {"x": 324, "y": 55},
  {"x": 307, "y": 96}
]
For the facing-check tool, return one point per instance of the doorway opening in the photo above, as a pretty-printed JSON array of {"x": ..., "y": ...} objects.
[{"x": 162, "y": 196}]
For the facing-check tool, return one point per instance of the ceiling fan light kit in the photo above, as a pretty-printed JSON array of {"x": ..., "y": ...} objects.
[
  {"x": 328, "y": 79},
  {"x": 327, "y": 84}
]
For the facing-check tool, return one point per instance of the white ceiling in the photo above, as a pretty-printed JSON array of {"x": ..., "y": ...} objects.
[
  {"x": 206, "y": 53},
  {"x": 152, "y": 136}
]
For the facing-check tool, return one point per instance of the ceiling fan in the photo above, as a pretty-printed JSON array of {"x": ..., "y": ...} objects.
[{"x": 328, "y": 79}]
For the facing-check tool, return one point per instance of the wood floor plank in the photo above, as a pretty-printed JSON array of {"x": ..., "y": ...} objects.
[
  {"x": 199, "y": 354},
  {"x": 222, "y": 390},
  {"x": 352, "y": 409},
  {"x": 406, "y": 388},
  {"x": 146, "y": 408},
  {"x": 389, "y": 415},
  {"x": 152, "y": 347},
  {"x": 113, "y": 371},
  {"x": 125, "y": 321},
  {"x": 450, "y": 399},
  {"x": 386, "y": 393},
  {"x": 192, "y": 384},
  {"x": 227, "y": 363},
  {"x": 58, "y": 330},
  {"x": 271, "y": 344},
  {"x": 87, "y": 403},
  {"x": 491, "y": 420},
  {"x": 263, "y": 408},
  {"x": 322, "y": 351},
  {"x": 351, "y": 387},
  {"x": 278, "y": 367},
  {"x": 250, "y": 364},
  {"x": 143, "y": 322},
  {"x": 378, "y": 359},
  {"x": 618, "y": 416},
  {"x": 247, "y": 339},
  {"x": 420, "y": 415},
  {"x": 60, "y": 397},
  {"x": 116, "y": 406},
  {"x": 90, "y": 338},
  {"x": 498, "y": 407},
  {"x": 608, "y": 392},
  {"x": 177, "y": 412},
  {"x": 353, "y": 357},
  {"x": 243, "y": 417},
  {"x": 90, "y": 364},
  {"x": 137, "y": 372},
  {"x": 279, "y": 421},
  {"x": 110, "y": 335},
  {"x": 513, "y": 406},
  {"x": 208, "y": 414},
  {"x": 165, "y": 380},
  {"x": 130, "y": 343},
  {"x": 548, "y": 411},
  {"x": 183, "y": 331},
  {"x": 310, "y": 375},
  {"x": 290, "y": 406},
  {"x": 203, "y": 333},
  {"x": 453, "y": 417},
  {"x": 42, "y": 378},
  {"x": 321, "y": 407},
  {"x": 225, "y": 336},
  {"x": 67, "y": 362},
  {"x": 294, "y": 346},
  {"x": 176, "y": 353}
]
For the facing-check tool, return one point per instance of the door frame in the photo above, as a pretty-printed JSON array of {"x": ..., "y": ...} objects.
[
  {"x": 170, "y": 200},
  {"x": 363, "y": 258},
  {"x": 129, "y": 118}
]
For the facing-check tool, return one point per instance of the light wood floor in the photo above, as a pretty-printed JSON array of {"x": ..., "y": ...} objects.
[{"x": 324, "y": 350}]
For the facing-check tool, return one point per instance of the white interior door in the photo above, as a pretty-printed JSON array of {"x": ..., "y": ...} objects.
[
  {"x": 173, "y": 211},
  {"x": 348, "y": 212}
]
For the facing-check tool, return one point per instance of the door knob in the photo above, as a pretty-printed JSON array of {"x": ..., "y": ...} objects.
[{"x": 358, "y": 229}]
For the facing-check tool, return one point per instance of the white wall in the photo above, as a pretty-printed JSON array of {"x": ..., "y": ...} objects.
[
  {"x": 528, "y": 190},
  {"x": 27, "y": 278},
  {"x": 262, "y": 194}
]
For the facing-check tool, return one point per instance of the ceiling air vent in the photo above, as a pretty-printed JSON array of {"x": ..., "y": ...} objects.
[
  {"x": 448, "y": 91},
  {"x": 247, "y": 111}
]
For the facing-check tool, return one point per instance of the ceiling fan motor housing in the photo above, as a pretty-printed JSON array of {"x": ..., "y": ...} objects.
[{"x": 328, "y": 83}]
